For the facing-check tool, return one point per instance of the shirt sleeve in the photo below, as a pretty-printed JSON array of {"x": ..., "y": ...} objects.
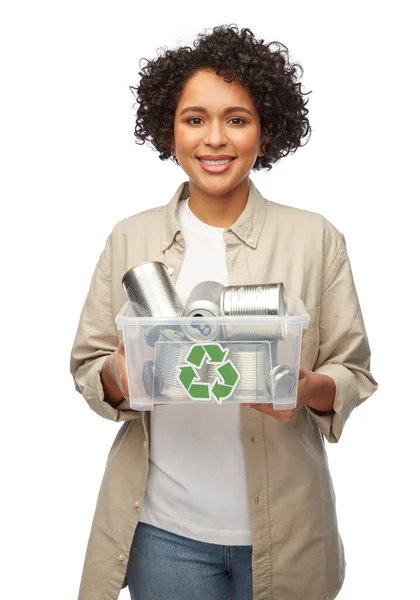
[
  {"x": 96, "y": 338},
  {"x": 344, "y": 352}
]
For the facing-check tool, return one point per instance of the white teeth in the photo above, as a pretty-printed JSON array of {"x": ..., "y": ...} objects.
[{"x": 216, "y": 162}]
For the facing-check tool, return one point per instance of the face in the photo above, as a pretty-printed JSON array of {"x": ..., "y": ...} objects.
[{"x": 217, "y": 130}]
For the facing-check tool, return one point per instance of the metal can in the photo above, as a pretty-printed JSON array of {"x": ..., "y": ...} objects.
[
  {"x": 282, "y": 382},
  {"x": 203, "y": 302},
  {"x": 152, "y": 379},
  {"x": 252, "y": 360},
  {"x": 171, "y": 351},
  {"x": 267, "y": 299},
  {"x": 150, "y": 290}
]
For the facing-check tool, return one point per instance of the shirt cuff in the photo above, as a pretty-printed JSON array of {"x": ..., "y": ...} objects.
[
  {"x": 94, "y": 391},
  {"x": 94, "y": 394},
  {"x": 346, "y": 398}
]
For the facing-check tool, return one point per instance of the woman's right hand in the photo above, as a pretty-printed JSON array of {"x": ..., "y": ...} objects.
[
  {"x": 115, "y": 378},
  {"x": 117, "y": 368}
]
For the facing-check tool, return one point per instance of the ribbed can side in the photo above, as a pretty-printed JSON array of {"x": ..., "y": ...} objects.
[
  {"x": 150, "y": 290},
  {"x": 267, "y": 299}
]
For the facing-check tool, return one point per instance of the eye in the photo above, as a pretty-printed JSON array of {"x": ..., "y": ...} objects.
[{"x": 200, "y": 119}]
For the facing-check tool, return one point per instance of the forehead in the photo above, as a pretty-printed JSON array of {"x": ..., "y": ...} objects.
[{"x": 207, "y": 89}]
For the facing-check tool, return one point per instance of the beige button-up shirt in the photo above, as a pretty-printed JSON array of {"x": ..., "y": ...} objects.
[{"x": 297, "y": 549}]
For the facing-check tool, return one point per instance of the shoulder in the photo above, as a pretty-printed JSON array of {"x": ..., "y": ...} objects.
[
  {"x": 146, "y": 218},
  {"x": 140, "y": 229},
  {"x": 308, "y": 234},
  {"x": 299, "y": 216},
  {"x": 310, "y": 225}
]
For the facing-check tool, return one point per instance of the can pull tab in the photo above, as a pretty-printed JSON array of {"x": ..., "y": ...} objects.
[{"x": 203, "y": 328}]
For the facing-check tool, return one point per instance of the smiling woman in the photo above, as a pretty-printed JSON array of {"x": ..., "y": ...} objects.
[
  {"x": 232, "y": 98},
  {"x": 212, "y": 501}
]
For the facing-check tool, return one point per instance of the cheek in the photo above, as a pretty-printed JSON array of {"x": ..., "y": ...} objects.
[
  {"x": 247, "y": 143},
  {"x": 186, "y": 140}
]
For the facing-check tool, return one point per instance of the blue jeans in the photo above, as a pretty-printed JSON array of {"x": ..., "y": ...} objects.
[{"x": 167, "y": 566}]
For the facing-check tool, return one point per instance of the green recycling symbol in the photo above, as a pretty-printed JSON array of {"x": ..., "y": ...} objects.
[{"x": 225, "y": 383}]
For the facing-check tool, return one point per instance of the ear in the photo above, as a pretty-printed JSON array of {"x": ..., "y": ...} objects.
[{"x": 264, "y": 139}]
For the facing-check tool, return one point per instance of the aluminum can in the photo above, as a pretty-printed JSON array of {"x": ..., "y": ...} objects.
[{"x": 203, "y": 301}]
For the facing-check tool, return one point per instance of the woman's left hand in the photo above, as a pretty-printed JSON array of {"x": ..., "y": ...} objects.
[{"x": 308, "y": 388}]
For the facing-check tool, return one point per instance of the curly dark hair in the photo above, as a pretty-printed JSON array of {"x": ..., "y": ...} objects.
[{"x": 236, "y": 56}]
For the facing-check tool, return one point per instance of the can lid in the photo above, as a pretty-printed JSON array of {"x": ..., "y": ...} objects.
[
  {"x": 142, "y": 264},
  {"x": 284, "y": 381}
]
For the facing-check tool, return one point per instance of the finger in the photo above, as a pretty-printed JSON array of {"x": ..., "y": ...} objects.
[
  {"x": 122, "y": 362},
  {"x": 124, "y": 384}
]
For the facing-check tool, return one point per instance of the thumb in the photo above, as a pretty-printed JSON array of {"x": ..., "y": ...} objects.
[{"x": 303, "y": 372}]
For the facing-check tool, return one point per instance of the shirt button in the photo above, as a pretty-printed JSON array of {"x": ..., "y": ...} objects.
[
  {"x": 170, "y": 271},
  {"x": 145, "y": 443},
  {"x": 137, "y": 503},
  {"x": 178, "y": 237},
  {"x": 252, "y": 440},
  {"x": 121, "y": 557},
  {"x": 251, "y": 240},
  {"x": 256, "y": 500}
]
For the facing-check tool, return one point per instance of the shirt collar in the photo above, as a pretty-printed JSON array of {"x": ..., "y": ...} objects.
[{"x": 247, "y": 227}]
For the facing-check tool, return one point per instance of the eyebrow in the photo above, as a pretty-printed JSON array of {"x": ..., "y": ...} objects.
[{"x": 231, "y": 109}]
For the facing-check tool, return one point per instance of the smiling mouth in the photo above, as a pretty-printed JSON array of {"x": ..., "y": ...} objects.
[{"x": 216, "y": 162}]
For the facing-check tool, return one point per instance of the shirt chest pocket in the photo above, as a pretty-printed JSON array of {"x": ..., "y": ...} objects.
[{"x": 310, "y": 339}]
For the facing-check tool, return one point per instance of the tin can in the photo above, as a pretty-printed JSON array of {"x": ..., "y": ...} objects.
[
  {"x": 282, "y": 382},
  {"x": 152, "y": 379},
  {"x": 150, "y": 290},
  {"x": 252, "y": 360},
  {"x": 171, "y": 351},
  {"x": 267, "y": 299}
]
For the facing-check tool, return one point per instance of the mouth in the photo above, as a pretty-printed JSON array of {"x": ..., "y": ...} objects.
[{"x": 216, "y": 166}]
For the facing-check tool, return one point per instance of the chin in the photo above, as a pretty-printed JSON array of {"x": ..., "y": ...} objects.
[
  {"x": 218, "y": 188},
  {"x": 216, "y": 185}
]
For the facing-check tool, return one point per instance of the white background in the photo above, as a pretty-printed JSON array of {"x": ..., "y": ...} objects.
[{"x": 71, "y": 170}]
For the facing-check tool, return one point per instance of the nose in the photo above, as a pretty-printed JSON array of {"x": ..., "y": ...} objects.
[{"x": 215, "y": 134}]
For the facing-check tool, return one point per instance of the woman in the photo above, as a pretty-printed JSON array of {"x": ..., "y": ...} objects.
[{"x": 210, "y": 502}]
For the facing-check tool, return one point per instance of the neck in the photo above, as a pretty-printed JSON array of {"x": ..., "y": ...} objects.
[{"x": 221, "y": 210}]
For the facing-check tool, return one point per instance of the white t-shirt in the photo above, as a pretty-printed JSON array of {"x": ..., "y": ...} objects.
[{"x": 196, "y": 485}]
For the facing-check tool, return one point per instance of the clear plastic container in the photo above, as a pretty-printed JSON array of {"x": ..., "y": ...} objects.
[{"x": 235, "y": 359}]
